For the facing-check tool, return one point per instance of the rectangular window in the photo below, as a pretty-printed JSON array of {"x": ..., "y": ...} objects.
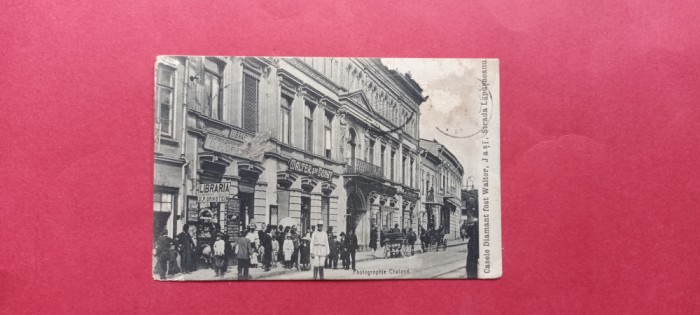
[
  {"x": 212, "y": 95},
  {"x": 403, "y": 170},
  {"x": 286, "y": 112},
  {"x": 309, "y": 127},
  {"x": 410, "y": 170},
  {"x": 328, "y": 134},
  {"x": 382, "y": 156},
  {"x": 442, "y": 183},
  {"x": 250, "y": 103},
  {"x": 165, "y": 86},
  {"x": 163, "y": 202},
  {"x": 393, "y": 156}
]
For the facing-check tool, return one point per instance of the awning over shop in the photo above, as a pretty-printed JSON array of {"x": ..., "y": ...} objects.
[{"x": 453, "y": 202}]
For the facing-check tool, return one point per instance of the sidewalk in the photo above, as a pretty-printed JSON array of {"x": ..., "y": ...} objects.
[{"x": 258, "y": 273}]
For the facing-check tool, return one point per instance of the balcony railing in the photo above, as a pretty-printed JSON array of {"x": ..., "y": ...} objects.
[{"x": 360, "y": 167}]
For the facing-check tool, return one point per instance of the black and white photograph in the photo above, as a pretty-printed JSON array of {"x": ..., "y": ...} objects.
[{"x": 322, "y": 168}]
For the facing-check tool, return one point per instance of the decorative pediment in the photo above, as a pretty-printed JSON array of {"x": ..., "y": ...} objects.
[
  {"x": 250, "y": 170},
  {"x": 308, "y": 183},
  {"x": 327, "y": 187},
  {"x": 286, "y": 179},
  {"x": 212, "y": 166},
  {"x": 360, "y": 99}
]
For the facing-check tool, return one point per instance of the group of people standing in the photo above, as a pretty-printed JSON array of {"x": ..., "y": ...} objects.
[
  {"x": 316, "y": 248},
  {"x": 167, "y": 251},
  {"x": 265, "y": 248}
]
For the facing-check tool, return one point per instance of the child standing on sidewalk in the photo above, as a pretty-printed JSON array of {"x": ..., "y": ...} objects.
[
  {"x": 219, "y": 256},
  {"x": 288, "y": 249}
]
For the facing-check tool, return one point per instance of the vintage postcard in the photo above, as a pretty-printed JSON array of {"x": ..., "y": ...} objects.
[{"x": 283, "y": 168}]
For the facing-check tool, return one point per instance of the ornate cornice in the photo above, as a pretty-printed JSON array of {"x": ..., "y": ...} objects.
[{"x": 320, "y": 78}]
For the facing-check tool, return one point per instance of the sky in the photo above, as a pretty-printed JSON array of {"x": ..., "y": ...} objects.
[{"x": 452, "y": 106}]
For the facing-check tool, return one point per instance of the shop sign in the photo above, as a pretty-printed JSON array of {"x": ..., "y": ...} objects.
[
  {"x": 222, "y": 144},
  {"x": 213, "y": 192},
  {"x": 410, "y": 195},
  {"x": 244, "y": 146},
  {"x": 310, "y": 169}
]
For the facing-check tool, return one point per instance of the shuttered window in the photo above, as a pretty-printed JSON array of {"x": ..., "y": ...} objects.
[{"x": 250, "y": 103}]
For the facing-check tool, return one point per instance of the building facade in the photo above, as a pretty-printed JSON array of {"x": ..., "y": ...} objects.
[
  {"x": 441, "y": 182},
  {"x": 261, "y": 140}
]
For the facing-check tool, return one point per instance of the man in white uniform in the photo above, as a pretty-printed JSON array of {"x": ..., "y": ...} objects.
[{"x": 319, "y": 249}]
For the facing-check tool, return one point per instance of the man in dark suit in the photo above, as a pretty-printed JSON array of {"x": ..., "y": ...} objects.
[
  {"x": 351, "y": 245},
  {"x": 472, "y": 249},
  {"x": 244, "y": 250}
]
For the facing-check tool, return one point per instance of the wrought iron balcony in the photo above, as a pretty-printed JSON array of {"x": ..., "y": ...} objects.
[{"x": 360, "y": 167}]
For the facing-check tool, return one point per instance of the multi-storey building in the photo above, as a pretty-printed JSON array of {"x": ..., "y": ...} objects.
[
  {"x": 261, "y": 140},
  {"x": 441, "y": 182}
]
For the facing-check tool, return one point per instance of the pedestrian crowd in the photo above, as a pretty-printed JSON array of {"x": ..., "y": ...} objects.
[
  {"x": 265, "y": 248},
  {"x": 274, "y": 246}
]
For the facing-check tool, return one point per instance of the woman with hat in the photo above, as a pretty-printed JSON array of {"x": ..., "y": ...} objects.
[{"x": 319, "y": 249}]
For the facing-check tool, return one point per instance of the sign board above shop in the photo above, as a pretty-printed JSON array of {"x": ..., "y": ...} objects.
[
  {"x": 213, "y": 192},
  {"x": 241, "y": 145},
  {"x": 310, "y": 169}
]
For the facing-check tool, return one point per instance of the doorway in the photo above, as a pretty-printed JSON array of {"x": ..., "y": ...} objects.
[
  {"x": 305, "y": 214},
  {"x": 246, "y": 210}
]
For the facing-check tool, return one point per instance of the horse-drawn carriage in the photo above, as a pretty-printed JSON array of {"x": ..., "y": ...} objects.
[
  {"x": 396, "y": 245},
  {"x": 433, "y": 239}
]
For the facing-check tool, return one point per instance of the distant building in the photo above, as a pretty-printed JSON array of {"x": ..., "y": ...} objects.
[{"x": 441, "y": 181}]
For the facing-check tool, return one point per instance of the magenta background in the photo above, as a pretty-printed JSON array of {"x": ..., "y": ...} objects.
[{"x": 600, "y": 145}]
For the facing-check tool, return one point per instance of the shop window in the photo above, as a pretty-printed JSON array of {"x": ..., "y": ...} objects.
[
  {"x": 305, "y": 214},
  {"x": 325, "y": 213},
  {"x": 250, "y": 103},
  {"x": 274, "y": 219},
  {"x": 165, "y": 89}
]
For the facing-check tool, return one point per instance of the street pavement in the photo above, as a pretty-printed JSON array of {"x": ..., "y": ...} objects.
[{"x": 441, "y": 264}]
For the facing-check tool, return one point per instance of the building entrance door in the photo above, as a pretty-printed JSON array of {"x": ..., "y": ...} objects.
[
  {"x": 305, "y": 215},
  {"x": 245, "y": 212}
]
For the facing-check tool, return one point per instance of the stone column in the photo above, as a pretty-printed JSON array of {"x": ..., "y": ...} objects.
[
  {"x": 295, "y": 205},
  {"x": 316, "y": 209},
  {"x": 260, "y": 213},
  {"x": 334, "y": 215}
]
